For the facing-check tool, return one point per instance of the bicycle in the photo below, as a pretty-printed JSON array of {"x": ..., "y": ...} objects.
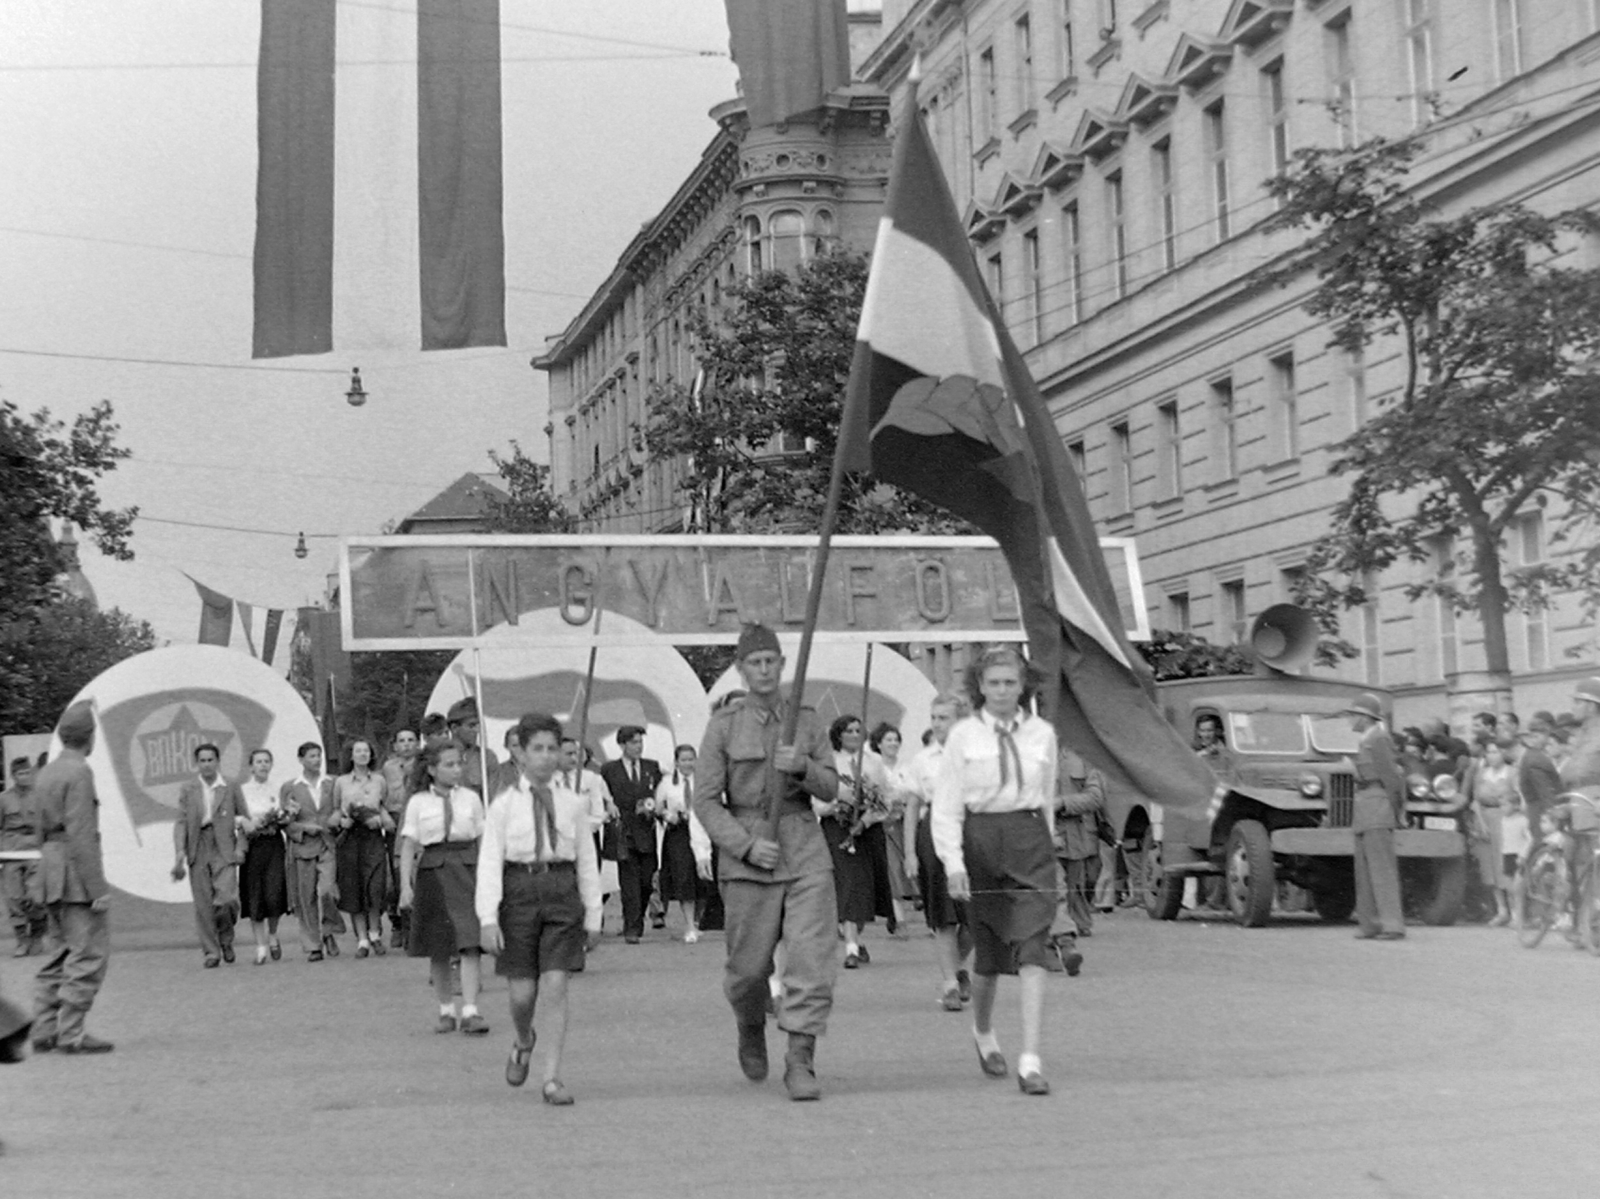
[{"x": 1561, "y": 878}]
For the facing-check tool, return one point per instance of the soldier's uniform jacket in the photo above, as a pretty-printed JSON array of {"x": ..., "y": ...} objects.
[
  {"x": 19, "y": 819},
  {"x": 69, "y": 822},
  {"x": 1380, "y": 785},
  {"x": 1582, "y": 767},
  {"x": 730, "y": 794},
  {"x": 1080, "y": 797}
]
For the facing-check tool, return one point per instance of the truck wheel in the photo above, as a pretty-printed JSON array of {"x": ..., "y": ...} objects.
[
  {"x": 1334, "y": 904},
  {"x": 1163, "y": 893},
  {"x": 1249, "y": 873},
  {"x": 1448, "y": 879}
]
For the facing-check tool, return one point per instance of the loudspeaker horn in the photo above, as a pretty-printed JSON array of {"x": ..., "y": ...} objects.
[{"x": 1284, "y": 637}]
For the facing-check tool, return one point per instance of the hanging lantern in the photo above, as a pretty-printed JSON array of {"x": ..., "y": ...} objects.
[
  {"x": 357, "y": 394},
  {"x": 300, "y": 550}
]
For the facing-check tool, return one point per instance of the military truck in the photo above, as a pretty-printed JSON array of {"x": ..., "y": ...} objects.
[{"x": 1285, "y": 796}]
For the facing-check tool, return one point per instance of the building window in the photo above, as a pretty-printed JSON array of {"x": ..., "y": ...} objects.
[
  {"x": 1508, "y": 38},
  {"x": 1034, "y": 272},
  {"x": 1235, "y": 619},
  {"x": 988, "y": 116},
  {"x": 1169, "y": 449},
  {"x": 752, "y": 245},
  {"x": 1166, "y": 202},
  {"x": 1079, "y": 457},
  {"x": 1536, "y": 624},
  {"x": 1216, "y": 150},
  {"x": 1277, "y": 116},
  {"x": 1178, "y": 618},
  {"x": 1069, "y": 48},
  {"x": 1225, "y": 421},
  {"x": 1121, "y": 468},
  {"x": 997, "y": 282},
  {"x": 1419, "y": 57},
  {"x": 1119, "y": 232},
  {"x": 822, "y": 236},
  {"x": 1449, "y": 646},
  {"x": 788, "y": 240},
  {"x": 1023, "y": 33},
  {"x": 1341, "y": 76},
  {"x": 1072, "y": 252},
  {"x": 1285, "y": 407},
  {"x": 1371, "y": 625},
  {"x": 1354, "y": 367}
]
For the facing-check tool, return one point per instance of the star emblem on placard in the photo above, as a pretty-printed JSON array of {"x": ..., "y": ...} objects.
[{"x": 169, "y": 752}]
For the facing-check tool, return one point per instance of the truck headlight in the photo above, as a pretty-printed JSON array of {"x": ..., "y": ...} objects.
[
  {"x": 1444, "y": 786},
  {"x": 1418, "y": 788},
  {"x": 1310, "y": 785}
]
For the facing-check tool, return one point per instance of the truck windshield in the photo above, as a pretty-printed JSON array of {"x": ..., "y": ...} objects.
[
  {"x": 1267, "y": 732},
  {"x": 1333, "y": 735}
]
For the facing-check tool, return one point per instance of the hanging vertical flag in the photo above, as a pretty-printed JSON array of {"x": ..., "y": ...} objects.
[
  {"x": 294, "y": 179},
  {"x": 460, "y": 228},
  {"x": 245, "y": 615},
  {"x": 269, "y": 637},
  {"x": 216, "y": 615},
  {"x": 790, "y": 54},
  {"x": 940, "y": 402}
]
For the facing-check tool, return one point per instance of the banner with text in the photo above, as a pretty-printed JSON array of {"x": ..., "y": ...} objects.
[{"x": 443, "y": 592}]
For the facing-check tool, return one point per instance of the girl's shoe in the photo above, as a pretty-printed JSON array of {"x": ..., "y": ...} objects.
[
  {"x": 446, "y": 1024},
  {"x": 274, "y": 949},
  {"x": 362, "y": 949},
  {"x": 261, "y": 954},
  {"x": 556, "y": 1095},
  {"x": 378, "y": 946},
  {"x": 692, "y": 936},
  {"x": 517, "y": 1063}
]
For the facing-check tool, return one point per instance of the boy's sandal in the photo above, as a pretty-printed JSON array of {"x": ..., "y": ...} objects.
[
  {"x": 557, "y": 1095},
  {"x": 517, "y": 1063}
]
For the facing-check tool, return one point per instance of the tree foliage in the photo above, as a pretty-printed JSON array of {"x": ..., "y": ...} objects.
[
  {"x": 529, "y": 506},
  {"x": 1178, "y": 655},
  {"x": 69, "y": 642},
  {"x": 1498, "y": 413},
  {"x": 756, "y": 434},
  {"x": 389, "y": 691}
]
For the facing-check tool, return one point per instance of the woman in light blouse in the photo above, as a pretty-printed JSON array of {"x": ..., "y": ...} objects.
[
  {"x": 680, "y": 880},
  {"x": 264, "y": 879},
  {"x": 860, "y": 863},
  {"x": 993, "y": 830},
  {"x": 362, "y": 868},
  {"x": 538, "y": 898},
  {"x": 443, "y": 824},
  {"x": 898, "y": 783}
]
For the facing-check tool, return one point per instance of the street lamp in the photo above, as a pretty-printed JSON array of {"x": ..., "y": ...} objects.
[{"x": 357, "y": 395}]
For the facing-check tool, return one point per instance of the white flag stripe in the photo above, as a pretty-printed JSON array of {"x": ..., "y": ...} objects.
[
  {"x": 912, "y": 289},
  {"x": 376, "y": 301},
  {"x": 1075, "y": 607}
]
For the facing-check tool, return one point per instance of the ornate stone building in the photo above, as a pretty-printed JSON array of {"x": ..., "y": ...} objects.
[
  {"x": 758, "y": 200},
  {"x": 1109, "y": 156}
]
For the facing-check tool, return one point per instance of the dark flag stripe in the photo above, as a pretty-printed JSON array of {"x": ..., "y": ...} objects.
[
  {"x": 790, "y": 54},
  {"x": 269, "y": 638},
  {"x": 216, "y": 615},
  {"x": 940, "y": 402},
  {"x": 294, "y": 180},
  {"x": 460, "y": 223}
]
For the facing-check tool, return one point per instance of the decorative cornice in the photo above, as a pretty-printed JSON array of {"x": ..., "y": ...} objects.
[
  {"x": 1251, "y": 22},
  {"x": 1195, "y": 62}
]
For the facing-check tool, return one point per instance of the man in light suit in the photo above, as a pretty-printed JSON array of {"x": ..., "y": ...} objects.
[
  {"x": 207, "y": 841},
  {"x": 1380, "y": 808},
  {"x": 632, "y": 780},
  {"x": 309, "y": 801}
]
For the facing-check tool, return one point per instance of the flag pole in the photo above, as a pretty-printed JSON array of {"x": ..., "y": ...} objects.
[{"x": 588, "y": 678}]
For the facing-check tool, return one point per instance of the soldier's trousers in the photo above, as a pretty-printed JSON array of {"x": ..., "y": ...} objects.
[
  {"x": 214, "y": 887},
  {"x": 77, "y": 949},
  {"x": 1076, "y": 879},
  {"x": 1378, "y": 882},
  {"x": 804, "y": 915},
  {"x": 23, "y": 886}
]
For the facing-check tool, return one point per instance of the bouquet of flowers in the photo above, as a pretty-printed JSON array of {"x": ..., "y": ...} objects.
[
  {"x": 864, "y": 799},
  {"x": 360, "y": 814},
  {"x": 275, "y": 821}
]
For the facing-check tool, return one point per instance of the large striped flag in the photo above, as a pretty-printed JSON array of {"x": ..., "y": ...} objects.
[
  {"x": 790, "y": 54},
  {"x": 337, "y": 182},
  {"x": 940, "y": 402}
]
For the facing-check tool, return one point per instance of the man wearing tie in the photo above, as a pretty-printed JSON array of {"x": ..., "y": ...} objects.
[
  {"x": 632, "y": 780},
  {"x": 206, "y": 838}
]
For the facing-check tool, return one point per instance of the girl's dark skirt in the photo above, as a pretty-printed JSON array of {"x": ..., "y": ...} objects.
[
  {"x": 937, "y": 907},
  {"x": 444, "y": 920},
  {"x": 860, "y": 879},
  {"x": 362, "y": 870},
  {"x": 679, "y": 878},
  {"x": 541, "y": 921},
  {"x": 1011, "y": 868},
  {"x": 264, "y": 879}
]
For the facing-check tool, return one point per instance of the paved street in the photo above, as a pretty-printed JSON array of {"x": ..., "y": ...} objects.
[{"x": 1193, "y": 1058}]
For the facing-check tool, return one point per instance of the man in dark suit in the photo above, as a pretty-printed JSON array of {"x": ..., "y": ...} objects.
[
  {"x": 1379, "y": 809},
  {"x": 633, "y": 779},
  {"x": 207, "y": 841},
  {"x": 77, "y": 941},
  {"x": 1538, "y": 781}
]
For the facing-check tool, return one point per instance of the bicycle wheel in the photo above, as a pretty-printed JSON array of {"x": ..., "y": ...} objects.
[{"x": 1544, "y": 889}]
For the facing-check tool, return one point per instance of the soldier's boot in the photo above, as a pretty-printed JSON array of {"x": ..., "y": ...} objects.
[
  {"x": 799, "y": 1071},
  {"x": 753, "y": 1051}
]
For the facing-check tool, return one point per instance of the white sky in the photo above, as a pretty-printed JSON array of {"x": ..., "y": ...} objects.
[{"x": 130, "y": 145}]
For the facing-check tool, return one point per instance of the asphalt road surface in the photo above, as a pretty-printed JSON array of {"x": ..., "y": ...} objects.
[{"x": 1193, "y": 1058}]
